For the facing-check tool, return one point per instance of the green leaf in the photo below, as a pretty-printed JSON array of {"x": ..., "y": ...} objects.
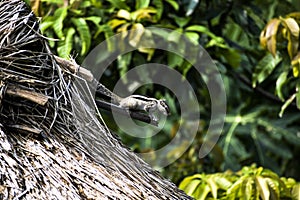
[
  {"x": 296, "y": 192},
  {"x": 268, "y": 36},
  {"x": 181, "y": 21},
  {"x": 175, "y": 35},
  {"x": 298, "y": 94},
  {"x": 119, "y": 4},
  {"x": 198, "y": 28},
  {"x": 124, "y": 14},
  {"x": 183, "y": 184},
  {"x": 114, "y": 23},
  {"x": 65, "y": 47},
  {"x": 247, "y": 191},
  {"x": 142, "y": 14},
  {"x": 279, "y": 84},
  {"x": 123, "y": 63},
  {"x": 59, "y": 15},
  {"x": 264, "y": 68},
  {"x": 192, "y": 186},
  {"x": 95, "y": 19},
  {"x": 274, "y": 188},
  {"x": 193, "y": 37},
  {"x": 84, "y": 33},
  {"x": 136, "y": 34},
  {"x": 159, "y": 8},
  {"x": 173, "y": 3},
  {"x": 205, "y": 189},
  {"x": 174, "y": 60},
  {"x": 235, "y": 187},
  {"x": 215, "y": 40},
  {"x": 232, "y": 56},
  {"x": 296, "y": 65},
  {"x": 54, "y": 1},
  {"x": 141, "y": 4},
  {"x": 292, "y": 36},
  {"x": 263, "y": 188},
  {"x": 45, "y": 25},
  {"x": 223, "y": 182},
  {"x": 213, "y": 187},
  {"x": 286, "y": 104}
]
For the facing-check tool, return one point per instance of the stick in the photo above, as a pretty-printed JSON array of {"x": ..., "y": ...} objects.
[
  {"x": 135, "y": 115},
  {"x": 75, "y": 68},
  {"x": 26, "y": 94}
]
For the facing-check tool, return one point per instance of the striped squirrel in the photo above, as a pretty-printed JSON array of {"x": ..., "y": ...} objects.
[{"x": 136, "y": 102}]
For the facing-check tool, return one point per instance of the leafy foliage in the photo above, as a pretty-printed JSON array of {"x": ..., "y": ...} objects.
[
  {"x": 73, "y": 23},
  {"x": 277, "y": 33},
  {"x": 248, "y": 183}
]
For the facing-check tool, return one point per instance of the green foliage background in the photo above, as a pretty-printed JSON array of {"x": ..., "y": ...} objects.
[{"x": 259, "y": 65}]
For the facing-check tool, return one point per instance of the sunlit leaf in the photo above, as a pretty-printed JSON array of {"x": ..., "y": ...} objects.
[
  {"x": 141, "y": 4},
  {"x": 274, "y": 188},
  {"x": 193, "y": 37},
  {"x": 232, "y": 192},
  {"x": 281, "y": 80},
  {"x": 264, "y": 68},
  {"x": 263, "y": 188},
  {"x": 173, "y": 3},
  {"x": 292, "y": 36},
  {"x": 143, "y": 14},
  {"x": 95, "y": 19},
  {"x": 223, "y": 182},
  {"x": 248, "y": 188},
  {"x": 298, "y": 94},
  {"x": 60, "y": 2},
  {"x": 192, "y": 186},
  {"x": 45, "y": 25},
  {"x": 213, "y": 187},
  {"x": 198, "y": 28},
  {"x": 185, "y": 183},
  {"x": 186, "y": 180},
  {"x": 136, "y": 34},
  {"x": 295, "y": 15},
  {"x": 286, "y": 104},
  {"x": 84, "y": 33},
  {"x": 268, "y": 36},
  {"x": 59, "y": 16},
  {"x": 205, "y": 189},
  {"x": 35, "y": 6},
  {"x": 296, "y": 192},
  {"x": 65, "y": 47},
  {"x": 116, "y": 22},
  {"x": 296, "y": 65},
  {"x": 175, "y": 35},
  {"x": 124, "y": 14}
]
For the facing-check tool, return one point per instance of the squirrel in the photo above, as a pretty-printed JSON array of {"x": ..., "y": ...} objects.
[{"x": 136, "y": 102}]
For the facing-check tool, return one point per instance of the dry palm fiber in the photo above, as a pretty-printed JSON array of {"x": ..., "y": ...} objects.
[{"x": 47, "y": 150}]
